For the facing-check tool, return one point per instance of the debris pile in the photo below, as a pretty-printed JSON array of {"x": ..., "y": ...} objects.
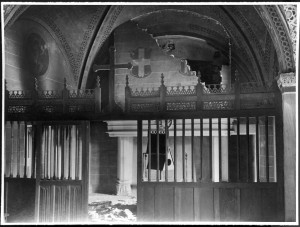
[{"x": 106, "y": 211}]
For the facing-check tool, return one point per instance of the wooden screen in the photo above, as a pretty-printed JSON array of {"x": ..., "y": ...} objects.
[
  {"x": 217, "y": 169},
  {"x": 63, "y": 167},
  {"x": 19, "y": 150},
  {"x": 239, "y": 149},
  {"x": 46, "y": 169}
]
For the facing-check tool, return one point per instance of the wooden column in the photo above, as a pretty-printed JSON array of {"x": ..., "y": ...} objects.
[{"x": 287, "y": 85}]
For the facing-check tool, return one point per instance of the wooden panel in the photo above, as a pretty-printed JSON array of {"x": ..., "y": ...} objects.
[
  {"x": 60, "y": 203},
  {"x": 269, "y": 204},
  {"x": 148, "y": 204},
  {"x": 251, "y": 204},
  {"x": 184, "y": 204},
  {"x": 206, "y": 171},
  {"x": 20, "y": 200},
  {"x": 164, "y": 204},
  {"x": 203, "y": 204},
  {"x": 229, "y": 204}
]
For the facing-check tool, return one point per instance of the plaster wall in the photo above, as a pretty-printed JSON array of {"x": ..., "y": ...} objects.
[
  {"x": 17, "y": 72},
  {"x": 127, "y": 39}
]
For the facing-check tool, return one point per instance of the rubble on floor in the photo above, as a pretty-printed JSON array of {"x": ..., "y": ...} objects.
[{"x": 108, "y": 211}]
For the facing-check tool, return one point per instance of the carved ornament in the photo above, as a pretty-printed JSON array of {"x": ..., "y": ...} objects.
[{"x": 287, "y": 82}]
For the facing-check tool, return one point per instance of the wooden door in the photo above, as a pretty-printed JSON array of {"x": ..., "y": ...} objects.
[{"x": 62, "y": 150}]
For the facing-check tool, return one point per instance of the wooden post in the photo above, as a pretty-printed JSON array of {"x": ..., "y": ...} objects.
[
  {"x": 35, "y": 96},
  {"x": 162, "y": 94},
  {"x": 237, "y": 91},
  {"x": 111, "y": 79},
  {"x": 98, "y": 96},
  {"x": 65, "y": 94},
  {"x": 127, "y": 95},
  {"x": 199, "y": 93},
  {"x": 6, "y": 96},
  {"x": 38, "y": 161}
]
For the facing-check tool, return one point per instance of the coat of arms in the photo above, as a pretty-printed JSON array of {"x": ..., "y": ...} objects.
[{"x": 141, "y": 62}]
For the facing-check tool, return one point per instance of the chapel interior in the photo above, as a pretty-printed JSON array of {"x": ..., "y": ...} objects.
[{"x": 154, "y": 113}]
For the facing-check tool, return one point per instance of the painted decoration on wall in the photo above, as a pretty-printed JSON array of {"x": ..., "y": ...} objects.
[
  {"x": 37, "y": 55},
  {"x": 141, "y": 62}
]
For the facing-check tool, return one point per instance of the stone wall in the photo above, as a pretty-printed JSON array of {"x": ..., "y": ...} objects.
[{"x": 103, "y": 160}]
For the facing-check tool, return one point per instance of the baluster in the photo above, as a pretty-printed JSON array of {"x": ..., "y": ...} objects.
[
  {"x": 70, "y": 155},
  {"x": 166, "y": 151},
  {"x": 55, "y": 174},
  {"x": 149, "y": 154},
  {"x": 33, "y": 156},
  {"x": 26, "y": 151},
  {"x": 183, "y": 151},
  {"x": 267, "y": 146},
  {"x": 175, "y": 152},
  {"x": 192, "y": 149},
  {"x": 77, "y": 153},
  {"x": 157, "y": 152},
  {"x": 257, "y": 149},
  {"x": 12, "y": 149},
  {"x": 228, "y": 142},
  {"x": 201, "y": 148},
  {"x": 43, "y": 153},
  {"x": 220, "y": 149},
  {"x": 238, "y": 148},
  {"x": 18, "y": 150},
  {"x": 249, "y": 172},
  {"x": 210, "y": 149}
]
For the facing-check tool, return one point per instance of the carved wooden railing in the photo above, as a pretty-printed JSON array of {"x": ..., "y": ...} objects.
[
  {"x": 161, "y": 99},
  {"x": 53, "y": 101},
  {"x": 238, "y": 96}
]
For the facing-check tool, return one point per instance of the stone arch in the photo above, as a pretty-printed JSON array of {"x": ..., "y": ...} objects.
[
  {"x": 12, "y": 13},
  {"x": 278, "y": 28}
]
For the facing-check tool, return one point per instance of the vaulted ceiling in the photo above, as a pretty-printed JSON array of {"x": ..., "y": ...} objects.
[{"x": 261, "y": 37}]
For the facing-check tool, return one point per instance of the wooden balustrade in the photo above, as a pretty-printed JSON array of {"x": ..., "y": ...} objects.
[
  {"x": 200, "y": 97},
  {"x": 35, "y": 102}
]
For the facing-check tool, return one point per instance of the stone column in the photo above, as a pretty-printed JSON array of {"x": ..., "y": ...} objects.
[
  {"x": 287, "y": 85},
  {"x": 125, "y": 163}
]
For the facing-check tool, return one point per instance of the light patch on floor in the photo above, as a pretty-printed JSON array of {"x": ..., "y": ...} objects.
[{"x": 111, "y": 208}]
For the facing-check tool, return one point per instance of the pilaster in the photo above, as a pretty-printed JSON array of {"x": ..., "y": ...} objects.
[{"x": 287, "y": 84}]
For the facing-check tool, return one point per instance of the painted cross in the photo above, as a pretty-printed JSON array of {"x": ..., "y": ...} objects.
[{"x": 141, "y": 62}]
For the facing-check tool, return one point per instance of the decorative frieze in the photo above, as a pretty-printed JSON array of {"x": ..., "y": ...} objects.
[
  {"x": 287, "y": 82},
  {"x": 290, "y": 12}
]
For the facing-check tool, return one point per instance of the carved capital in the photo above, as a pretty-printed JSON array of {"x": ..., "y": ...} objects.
[{"x": 287, "y": 82}]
